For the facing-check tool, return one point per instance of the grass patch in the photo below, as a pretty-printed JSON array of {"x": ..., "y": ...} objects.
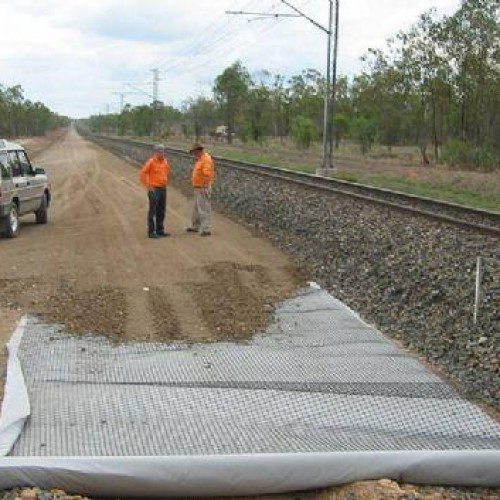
[
  {"x": 435, "y": 190},
  {"x": 265, "y": 160},
  {"x": 429, "y": 189}
]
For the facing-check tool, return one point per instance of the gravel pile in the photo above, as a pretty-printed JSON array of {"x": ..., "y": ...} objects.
[{"x": 411, "y": 277}]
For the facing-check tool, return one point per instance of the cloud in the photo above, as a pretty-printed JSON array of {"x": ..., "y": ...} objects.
[
  {"x": 74, "y": 55},
  {"x": 131, "y": 21}
]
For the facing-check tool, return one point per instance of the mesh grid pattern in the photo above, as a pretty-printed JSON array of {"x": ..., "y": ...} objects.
[{"x": 318, "y": 379}]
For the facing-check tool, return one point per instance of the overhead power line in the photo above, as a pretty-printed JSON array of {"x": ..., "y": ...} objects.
[
  {"x": 301, "y": 14},
  {"x": 260, "y": 14},
  {"x": 213, "y": 51},
  {"x": 139, "y": 90}
]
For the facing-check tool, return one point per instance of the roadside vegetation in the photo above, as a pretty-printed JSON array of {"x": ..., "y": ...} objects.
[
  {"x": 21, "y": 117},
  {"x": 431, "y": 99}
]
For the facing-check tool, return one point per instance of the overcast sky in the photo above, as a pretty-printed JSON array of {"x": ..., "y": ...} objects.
[{"x": 77, "y": 56}]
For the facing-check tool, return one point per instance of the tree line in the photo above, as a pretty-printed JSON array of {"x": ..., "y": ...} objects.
[
  {"x": 435, "y": 86},
  {"x": 21, "y": 117}
]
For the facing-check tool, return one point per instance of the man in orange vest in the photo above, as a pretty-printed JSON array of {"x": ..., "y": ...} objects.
[
  {"x": 154, "y": 176},
  {"x": 203, "y": 178}
]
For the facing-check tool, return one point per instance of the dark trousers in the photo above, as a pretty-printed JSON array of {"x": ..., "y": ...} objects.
[{"x": 157, "y": 206}]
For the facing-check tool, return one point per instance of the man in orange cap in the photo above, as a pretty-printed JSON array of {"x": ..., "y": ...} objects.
[
  {"x": 154, "y": 176},
  {"x": 203, "y": 178}
]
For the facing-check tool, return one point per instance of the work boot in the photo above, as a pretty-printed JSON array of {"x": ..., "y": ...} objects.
[
  {"x": 191, "y": 229},
  {"x": 153, "y": 235}
]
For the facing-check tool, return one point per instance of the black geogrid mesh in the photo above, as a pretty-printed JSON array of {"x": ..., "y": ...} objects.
[{"x": 318, "y": 380}]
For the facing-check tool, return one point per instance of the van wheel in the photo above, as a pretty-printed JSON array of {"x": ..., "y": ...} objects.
[
  {"x": 12, "y": 222},
  {"x": 41, "y": 214}
]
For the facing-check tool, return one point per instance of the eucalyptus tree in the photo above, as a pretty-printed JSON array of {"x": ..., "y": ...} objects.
[
  {"x": 200, "y": 115},
  {"x": 364, "y": 121},
  {"x": 259, "y": 109},
  {"x": 382, "y": 99},
  {"x": 306, "y": 95},
  {"x": 425, "y": 73},
  {"x": 280, "y": 105},
  {"x": 125, "y": 125},
  {"x": 20, "y": 116},
  {"x": 142, "y": 120},
  {"x": 231, "y": 92},
  {"x": 38, "y": 118},
  {"x": 14, "y": 98},
  {"x": 471, "y": 39}
]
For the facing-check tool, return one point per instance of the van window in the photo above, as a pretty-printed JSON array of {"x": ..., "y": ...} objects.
[
  {"x": 4, "y": 166},
  {"x": 15, "y": 164},
  {"x": 25, "y": 163}
]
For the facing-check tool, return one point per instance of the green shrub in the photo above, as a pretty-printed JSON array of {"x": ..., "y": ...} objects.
[
  {"x": 304, "y": 131},
  {"x": 364, "y": 131},
  {"x": 460, "y": 154}
]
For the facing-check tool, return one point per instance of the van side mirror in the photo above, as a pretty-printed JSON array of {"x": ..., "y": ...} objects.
[{"x": 39, "y": 171}]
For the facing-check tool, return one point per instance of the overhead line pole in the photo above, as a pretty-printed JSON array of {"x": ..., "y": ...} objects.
[
  {"x": 327, "y": 128},
  {"x": 334, "y": 82},
  {"x": 331, "y": 80},
  {"x": 327, "y": 164},
  {"x": 156, "y": 79},
  {"x": 122, "y": 97}
]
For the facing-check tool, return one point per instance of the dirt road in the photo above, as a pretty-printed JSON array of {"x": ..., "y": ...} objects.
[{"x": 93, "y": 268}]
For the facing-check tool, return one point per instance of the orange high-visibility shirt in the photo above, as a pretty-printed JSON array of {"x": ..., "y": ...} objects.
[
  {"x": 155, "y": 172},
  {"x": 203, "y": 171}
]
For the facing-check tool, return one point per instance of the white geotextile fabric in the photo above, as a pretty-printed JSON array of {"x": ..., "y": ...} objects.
[
  {"x": 236, "y": 475},
  {"x": 320, "y": 399}
]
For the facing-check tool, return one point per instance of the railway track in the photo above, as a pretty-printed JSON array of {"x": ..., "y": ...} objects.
[{"x": 477, "y": 220}]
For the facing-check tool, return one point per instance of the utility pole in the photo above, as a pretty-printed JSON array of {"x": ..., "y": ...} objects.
[
  {"x": 122, "y": 98},
  {"x": 327, "y": 125},
  {"x": 156, "y": 79},
  {"x": 334, "y": 84},
  {"x": 120, "y": 130},
  {"x": 331, "y": 74}
]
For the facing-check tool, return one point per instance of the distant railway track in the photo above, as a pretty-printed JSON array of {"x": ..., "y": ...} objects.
[{"x": 477, "y": 220}]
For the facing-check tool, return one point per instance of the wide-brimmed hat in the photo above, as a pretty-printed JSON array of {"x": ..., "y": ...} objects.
[{"x": 196, "y": 147}]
